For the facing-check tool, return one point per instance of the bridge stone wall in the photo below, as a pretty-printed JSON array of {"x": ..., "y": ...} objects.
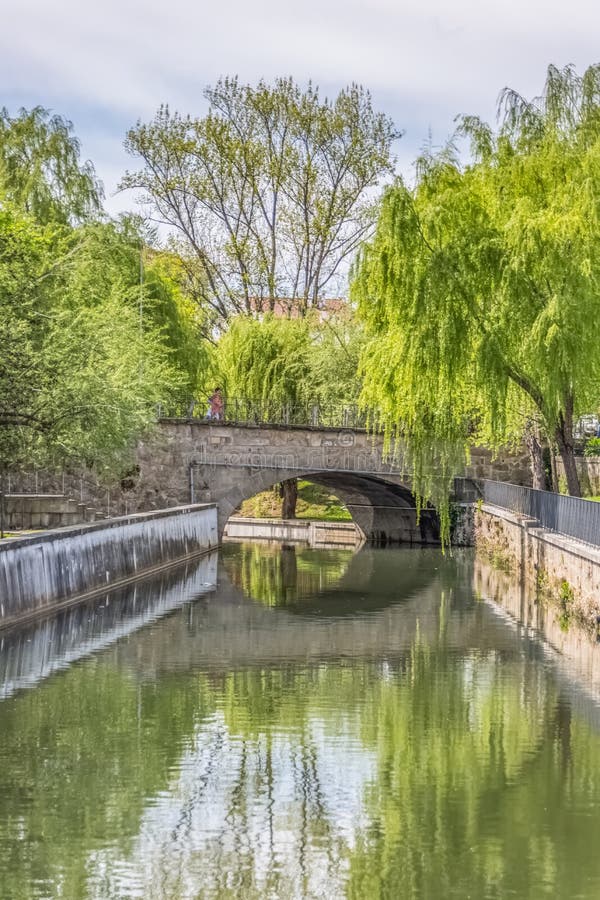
[
  {"x": 187, "y": 460},
  {"x": 195, "y": 461}
]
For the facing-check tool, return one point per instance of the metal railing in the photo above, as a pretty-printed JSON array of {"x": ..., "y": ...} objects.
[
  {"x": 244, "y": 411},
  {"x": 107, "y": 498},
  {"x": 570, "y": 516}
]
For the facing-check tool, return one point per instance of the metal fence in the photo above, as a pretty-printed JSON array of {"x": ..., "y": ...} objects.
[
  {"x": 571, "y": 516},
  {"x": 244, "y": 411}
]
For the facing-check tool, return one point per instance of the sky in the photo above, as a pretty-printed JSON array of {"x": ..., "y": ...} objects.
[{"x": 108, "y": 64}]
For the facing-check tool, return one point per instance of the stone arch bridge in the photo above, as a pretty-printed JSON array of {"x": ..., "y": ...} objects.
[{"x": 188, "y": 460}]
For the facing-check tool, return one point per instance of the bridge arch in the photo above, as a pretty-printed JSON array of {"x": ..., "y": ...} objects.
[
  {"x": 190, "y": 460},
  {"x": 382, "y": 507}
]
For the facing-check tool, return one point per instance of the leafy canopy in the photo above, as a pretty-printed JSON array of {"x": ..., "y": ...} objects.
[
  {"x": 78, "y": 376},
  {"x": 481, "y": 285},
  {"x": 95, "y": 328},
  {"x": 40, "y": 170},
  {"x": 291, "y": 363}
]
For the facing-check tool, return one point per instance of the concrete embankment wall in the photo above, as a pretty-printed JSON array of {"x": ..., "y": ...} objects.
[
  {"x": 307, "y": 531},
  {"x": 44, "y": 571},
  {"x": 23, "y": 511},
  {"x": 563, "y": 572}
]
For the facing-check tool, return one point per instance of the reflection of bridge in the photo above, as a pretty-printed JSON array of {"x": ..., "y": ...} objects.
[{"x": 194, "y": 460}]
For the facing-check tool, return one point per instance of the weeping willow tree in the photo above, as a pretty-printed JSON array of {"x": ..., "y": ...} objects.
[
  {"x": 283, "y": 366},
  {"x": 266, "y": 360},
  {"x": 481, "y": 285},
  {"x": 41, "y": 173},
  {"x": 288, "y": 363}
]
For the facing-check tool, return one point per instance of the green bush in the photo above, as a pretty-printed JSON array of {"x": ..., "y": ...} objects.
[{"x": 592, "y": 448}]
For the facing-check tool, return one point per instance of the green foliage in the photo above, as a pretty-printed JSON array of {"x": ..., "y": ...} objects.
[
  {"x": 291, "y": 362},
  {"x": 481, "y": 281},
  {"x": 267, "y": 360},
  {"x": 40, "y": 171},
  {"x": 565, "y": 599},
  {"x": 271, "y": 191},
  {"x": 111, "y": 259},
  {"x": 78, "y": 377},
  {"x": 314, "y": 502},
  {"x": 94, "y": 328},
  {"x": 592, "y": 447},
  {"x": 177, "y": 316},
  {"x": 336, "y": 345}
]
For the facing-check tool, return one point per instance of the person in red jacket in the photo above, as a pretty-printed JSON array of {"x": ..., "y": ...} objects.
[{"x": 215, "y": 405}]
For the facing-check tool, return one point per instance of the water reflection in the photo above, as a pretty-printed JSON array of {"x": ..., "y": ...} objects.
[
  {"x": 574, "y": 651},
  {"x": 412, "y": 743},
  {"x": 281, "y": 574},
  {"x": 334, "y": 582},
  {"x": 29, "y": 654}
]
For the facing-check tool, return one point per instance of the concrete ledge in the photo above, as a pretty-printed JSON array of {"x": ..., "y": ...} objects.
[
  {"x": 313, "y": 532},
  {"x": 43, "y": 571},
  {"x": 561, "y": 569},
  {"x": 561, "y": 541}
]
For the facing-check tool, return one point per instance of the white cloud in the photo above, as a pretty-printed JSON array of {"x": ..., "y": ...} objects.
[{"x": 107, "y": 64}]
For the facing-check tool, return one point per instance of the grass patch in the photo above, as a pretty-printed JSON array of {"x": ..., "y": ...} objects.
[
  {"x": 17, "y": 534},
  {"x": 314, "y": 502}
]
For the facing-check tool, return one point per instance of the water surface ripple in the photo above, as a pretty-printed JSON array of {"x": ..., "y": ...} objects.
[{"x": 298, "y": 724}]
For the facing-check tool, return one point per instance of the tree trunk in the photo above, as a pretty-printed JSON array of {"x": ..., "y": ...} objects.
[
  {"x": 553, "y": 469},
  {"x": 288, "y": 491},
  {"x": 564, "y": 440},
  {"x": 289, "y": 571},
  {"x": 536, "y": 456}
]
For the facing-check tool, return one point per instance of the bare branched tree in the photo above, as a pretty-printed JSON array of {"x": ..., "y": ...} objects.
[{"x": 269, "y": 194}]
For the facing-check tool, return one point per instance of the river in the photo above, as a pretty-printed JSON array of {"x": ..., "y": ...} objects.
[{"x": 291, "y": 723}]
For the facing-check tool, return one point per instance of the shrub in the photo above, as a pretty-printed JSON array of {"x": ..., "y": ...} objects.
[{"x": 592, "y": 448}]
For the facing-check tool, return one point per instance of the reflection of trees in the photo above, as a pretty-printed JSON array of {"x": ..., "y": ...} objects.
[
  {"x": 433, "y": 773},
  {"x": 477, "y": 777},
  {"x": 80, "y": 755},
  {"x": 279, "y": 575},
  {"x": 479, "y": 768}
]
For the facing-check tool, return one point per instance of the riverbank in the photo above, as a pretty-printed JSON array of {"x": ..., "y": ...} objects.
[{"x": 557, "y": 570}]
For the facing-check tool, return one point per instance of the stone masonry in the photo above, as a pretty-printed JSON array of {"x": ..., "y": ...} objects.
[
  {"x": 190, "y": 460},
  {"x": 197, "y": 461}
]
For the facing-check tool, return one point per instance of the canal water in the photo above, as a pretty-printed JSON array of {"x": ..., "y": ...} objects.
[{"x": 291, "y": 723}]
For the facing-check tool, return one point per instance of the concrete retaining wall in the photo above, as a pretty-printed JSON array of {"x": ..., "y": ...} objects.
[
  {"x": 564, "y": 572},
  {"x": 24, "y": 511},
  {"x": 306, "y": 531},
  {"x": 44, "y": 571}
]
